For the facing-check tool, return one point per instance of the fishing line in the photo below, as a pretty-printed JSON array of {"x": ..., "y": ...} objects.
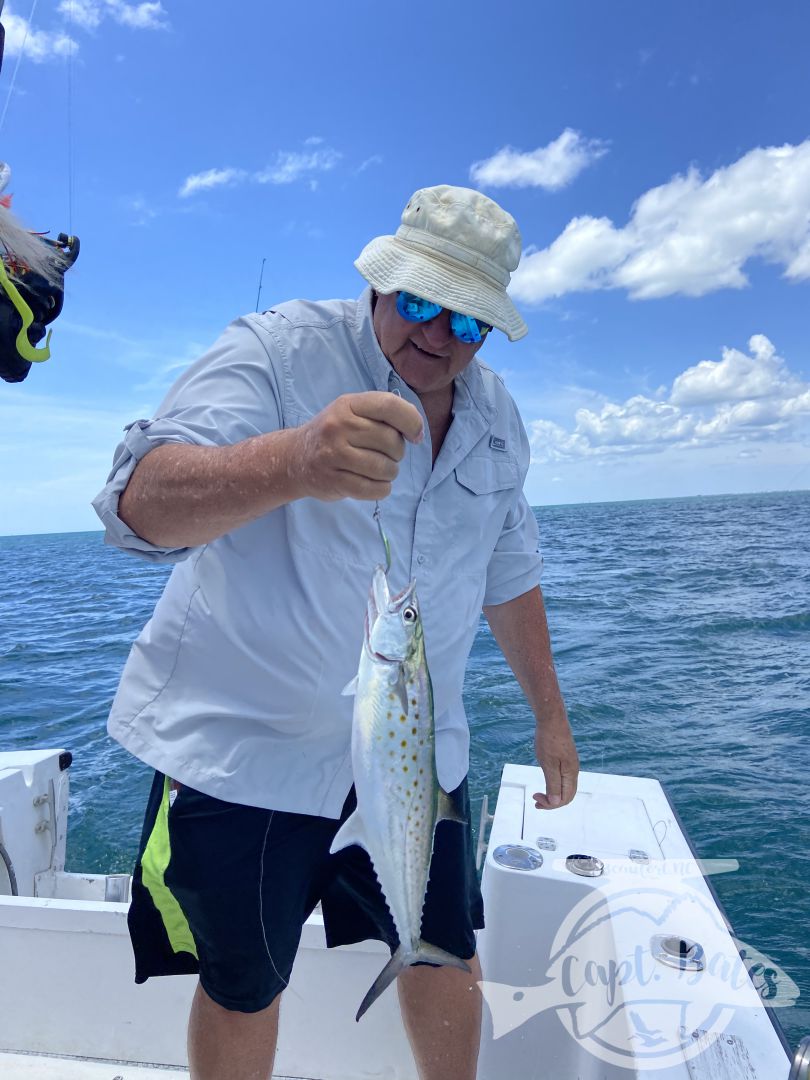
[
  {"x": 19, "y": 60},
  {"x": 378, "y": 518},
  {"x": 28, "y": 27},
  {"x": 70, "y": 122}
]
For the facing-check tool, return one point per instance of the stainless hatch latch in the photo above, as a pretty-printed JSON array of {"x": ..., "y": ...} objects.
[{"x": 678, "y": 952}]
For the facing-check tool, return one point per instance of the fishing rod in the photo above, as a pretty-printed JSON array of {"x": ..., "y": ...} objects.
[{"x": 261, "y": 275}]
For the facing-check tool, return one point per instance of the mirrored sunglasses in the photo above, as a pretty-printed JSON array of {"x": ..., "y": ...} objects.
[{"x": 465, "y": 327}]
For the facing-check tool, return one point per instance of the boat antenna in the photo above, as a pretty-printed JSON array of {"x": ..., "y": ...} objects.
[{"x": 261, "y": 275}]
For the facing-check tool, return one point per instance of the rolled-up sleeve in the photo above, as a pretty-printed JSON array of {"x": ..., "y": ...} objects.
[
  {"x": 230, "y": 394},
  {"x": 516, "y": 564}
]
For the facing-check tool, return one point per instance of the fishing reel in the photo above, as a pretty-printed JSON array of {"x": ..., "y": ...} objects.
[{"x": 29, "y": 301}]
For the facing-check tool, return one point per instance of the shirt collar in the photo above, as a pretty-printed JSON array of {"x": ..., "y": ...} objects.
[
  {"x": 378, "y": 366},
  {"x": 471, "y": 390}
]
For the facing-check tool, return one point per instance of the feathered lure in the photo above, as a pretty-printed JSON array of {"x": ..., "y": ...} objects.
[{"x": 32, "y": 271}]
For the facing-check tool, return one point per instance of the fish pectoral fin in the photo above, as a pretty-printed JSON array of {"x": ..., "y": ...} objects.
[
  {"x": 350, "y": 689},
  {"x": 352, "y": 831},
  {"x": 447, "y": 809}
]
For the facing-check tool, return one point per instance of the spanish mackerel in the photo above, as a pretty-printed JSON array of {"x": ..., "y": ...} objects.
[{"x": 399, "y": 800}]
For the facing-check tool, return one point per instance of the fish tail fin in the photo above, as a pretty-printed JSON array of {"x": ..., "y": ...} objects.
[
  {"x": 398, "y": 962},
  {"x": 432, "y": 954},
  {"x": 426, "y": 953}
]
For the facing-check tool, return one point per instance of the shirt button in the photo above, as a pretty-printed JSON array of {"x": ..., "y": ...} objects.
[{"x": 420, "y": 559}]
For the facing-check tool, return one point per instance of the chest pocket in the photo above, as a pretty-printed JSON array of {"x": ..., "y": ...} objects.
[
  {"x": 485, "y": 490},
  {"x": 486, "y": 476}
]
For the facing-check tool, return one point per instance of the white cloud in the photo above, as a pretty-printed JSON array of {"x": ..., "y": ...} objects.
[
  {"x": 211, "y": 178},
  {"x": 585, "y": 256},
  {"x": 640, "y": 421},
  {"x": 289, "y": 166},
  {"x": 63, "y": 472},
  {"x": 293, "y": 165},
  {"x": 741, "y": 397},
  {"x": 551, "y": 167},
  {"x": 737, "y": 377},
  {"x": 145, "y": 16},
  {"x": 689, "y": 236},
  {"x": 142, "y": 211},
  {"x": 84, "y": 13},
  {"x": 89, "y": 14},
  {"x": 375, "y": 159},
  {"x": 36, "y": 45}
]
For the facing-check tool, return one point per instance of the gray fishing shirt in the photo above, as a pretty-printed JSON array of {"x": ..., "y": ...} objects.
[{"x": 234, "y": 685}]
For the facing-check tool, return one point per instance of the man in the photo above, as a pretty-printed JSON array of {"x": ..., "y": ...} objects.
[{"x": 258, "y": 477}]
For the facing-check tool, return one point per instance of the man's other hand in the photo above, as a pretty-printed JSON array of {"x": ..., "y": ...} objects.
[{"x": 557, "y": 756}]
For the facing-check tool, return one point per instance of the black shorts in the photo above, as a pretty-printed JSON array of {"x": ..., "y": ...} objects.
[{"x": 222, "y": 890}]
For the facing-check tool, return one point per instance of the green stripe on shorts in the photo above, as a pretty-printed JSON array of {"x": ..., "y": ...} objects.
[{"x": 153, "y": 865}]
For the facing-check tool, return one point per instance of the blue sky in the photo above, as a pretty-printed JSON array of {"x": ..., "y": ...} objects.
[{"x": 655, "y": 155}]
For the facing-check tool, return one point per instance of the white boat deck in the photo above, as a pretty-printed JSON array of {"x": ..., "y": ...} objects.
[
  {"x": 15, "y": 1066},
  {"x": 69, "y": 1008}
]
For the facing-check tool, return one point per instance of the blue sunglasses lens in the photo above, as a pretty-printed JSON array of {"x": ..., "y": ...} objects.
[
  {"x": 465, "y": 327},
  {"x": 415, "y": 309},
  {"x": 468, "y": 329}
]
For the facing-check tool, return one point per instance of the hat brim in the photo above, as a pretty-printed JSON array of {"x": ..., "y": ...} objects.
[{"x": 389, "y": 265}]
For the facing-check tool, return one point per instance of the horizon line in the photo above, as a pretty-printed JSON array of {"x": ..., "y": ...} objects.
[{"x": 535, "y": 506}]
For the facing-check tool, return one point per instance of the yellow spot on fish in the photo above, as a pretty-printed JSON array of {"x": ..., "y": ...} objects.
[
  {"x": 392, "y": 697},
  {"x": 391, "y": 734},
  {"x": 405, "y": 769},
  {"x": 415, "y": 783},
  {"x": 413, "y": 701},
  {"x": 413, "y": 757},
  {"x": 403, "y": 717},
  {"x": 404, "y": 742},
  {"x": 413, "y": 731}
]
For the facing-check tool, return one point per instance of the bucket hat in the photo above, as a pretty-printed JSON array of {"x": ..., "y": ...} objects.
[{"x": 455, "y": 247}]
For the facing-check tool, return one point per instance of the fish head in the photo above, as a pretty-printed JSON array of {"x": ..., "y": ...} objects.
[{"x": 393, "y": 623}]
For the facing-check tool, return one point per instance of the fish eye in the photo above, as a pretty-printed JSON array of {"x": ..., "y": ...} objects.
[{"x": 409, "y": 614}]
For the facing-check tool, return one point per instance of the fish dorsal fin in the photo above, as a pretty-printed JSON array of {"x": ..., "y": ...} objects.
[
  {"x": 350, "y": 689},
  {"x": 352, "y": 831},
  {"x": 447, "y": 809}
]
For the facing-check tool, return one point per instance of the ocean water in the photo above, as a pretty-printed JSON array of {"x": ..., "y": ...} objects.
[{"x": 681, "y": 632}]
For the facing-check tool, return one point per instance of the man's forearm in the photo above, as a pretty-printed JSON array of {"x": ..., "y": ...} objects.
[
  {"x": 521, "y": 630},
  {"x": 184, "y": 496}
]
